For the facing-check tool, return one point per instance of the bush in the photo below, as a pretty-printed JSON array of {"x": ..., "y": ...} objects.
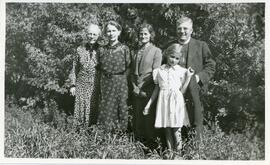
[
  {"x": 217, "y": 145},
  {"x": 26, "y": 136}
]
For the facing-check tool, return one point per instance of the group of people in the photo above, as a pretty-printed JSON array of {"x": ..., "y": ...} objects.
[{"x": 165, "y": 86}]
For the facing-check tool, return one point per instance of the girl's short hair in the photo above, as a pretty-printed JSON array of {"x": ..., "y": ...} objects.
[
  {"x": 114, "y": 23},
  {"x": 150, "y": 29},
  {"x": 173, "y": 49}
]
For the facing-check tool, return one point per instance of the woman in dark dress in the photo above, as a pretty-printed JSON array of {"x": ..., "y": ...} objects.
[
  {"x": 114, "y": 63},
  {"x": 145, "y": 59}
]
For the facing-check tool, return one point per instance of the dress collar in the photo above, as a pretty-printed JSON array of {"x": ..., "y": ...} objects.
[
  {"x": 166, "y": 66},
  {"x": 143, "y": 47},
  {"x": 91, "y": 46},
  {"x": 114, "y": 46}
]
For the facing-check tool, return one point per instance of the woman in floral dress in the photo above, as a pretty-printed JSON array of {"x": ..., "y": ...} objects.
[
  {"x": 114, "y": 63},
  {"x": 84, "y": 79}
]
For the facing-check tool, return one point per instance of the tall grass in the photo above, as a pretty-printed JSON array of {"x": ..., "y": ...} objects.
[{"x": 28, "y": 136}]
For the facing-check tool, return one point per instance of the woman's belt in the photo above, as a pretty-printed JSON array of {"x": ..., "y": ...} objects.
[{"x": 110, "y": 74}]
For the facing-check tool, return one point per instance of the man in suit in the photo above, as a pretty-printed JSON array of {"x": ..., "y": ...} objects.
[{"x": 196, "y": 55}]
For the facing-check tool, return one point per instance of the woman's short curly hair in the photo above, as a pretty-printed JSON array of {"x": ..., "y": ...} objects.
[
  {"x": 149, "y": 28},
  {"x": 113, "y": 23}
]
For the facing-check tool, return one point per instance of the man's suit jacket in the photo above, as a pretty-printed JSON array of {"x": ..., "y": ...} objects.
[{"x": 199, "y": 58}]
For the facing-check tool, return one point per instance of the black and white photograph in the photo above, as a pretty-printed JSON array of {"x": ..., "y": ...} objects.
[{"x": 158, "y": 81}]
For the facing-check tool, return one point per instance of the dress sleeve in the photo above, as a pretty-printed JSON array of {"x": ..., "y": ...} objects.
[
  {"x": 74, "y": 70},
  {"x": 182, "y": 72},
  {"x": 100, "y": 53},
  {"x": 184, "y": 75},
  {"x": 95, "y": 55},
  {"x": 155, "y": 77},
  {"x": 157, "y": 59},
  {"x": 128, "y": 56}
]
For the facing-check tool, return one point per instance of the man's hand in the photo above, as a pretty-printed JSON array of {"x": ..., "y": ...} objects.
[
  {"x": 136, "y": 91},
  {"x": 197, "y": 78},
  {"x": 190, "y": 72}
]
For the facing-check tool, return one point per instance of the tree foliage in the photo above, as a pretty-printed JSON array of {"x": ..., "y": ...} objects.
[{"x": 41, "y": 39}]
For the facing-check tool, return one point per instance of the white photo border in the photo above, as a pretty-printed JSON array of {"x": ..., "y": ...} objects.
[{"x": 16, "y": 161}]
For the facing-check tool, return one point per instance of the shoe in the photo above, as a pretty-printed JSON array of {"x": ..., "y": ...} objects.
[
  {"x": 168, "y": 155},
  {"x": 179, "y": 146},
  {"x": 178, "y": 157}
]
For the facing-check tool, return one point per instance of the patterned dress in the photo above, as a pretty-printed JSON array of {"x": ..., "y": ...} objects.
[
  {"x": 113, "y": 109},
  {"x": 84, "y": 77},
  {"x": 171, "y": 110}
]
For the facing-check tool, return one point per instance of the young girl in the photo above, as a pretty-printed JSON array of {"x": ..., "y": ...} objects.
[{"x": 171, "y": 82}]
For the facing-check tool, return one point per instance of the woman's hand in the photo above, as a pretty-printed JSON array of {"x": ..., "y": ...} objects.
[
  {"x": 146, "y": 110},
  {"x": 72, "y": 91},
  {"x": 142, "y": 94},
  {"x": 136, "y": 91}
]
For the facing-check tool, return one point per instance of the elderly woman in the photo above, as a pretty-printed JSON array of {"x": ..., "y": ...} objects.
[
  {"x": 84, "y": 79},
  {"x": 114, "y": 63},
  {"x": 146, "y": 58}
]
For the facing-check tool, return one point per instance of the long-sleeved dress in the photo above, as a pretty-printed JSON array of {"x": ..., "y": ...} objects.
[
  {"x": 145, "y": 60},
  {"x": 113, "y": 108},
  {"x": 84, "y": 77}
]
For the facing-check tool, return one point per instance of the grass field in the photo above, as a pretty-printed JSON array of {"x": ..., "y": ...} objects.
[{"x": 28, "y": 136}]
